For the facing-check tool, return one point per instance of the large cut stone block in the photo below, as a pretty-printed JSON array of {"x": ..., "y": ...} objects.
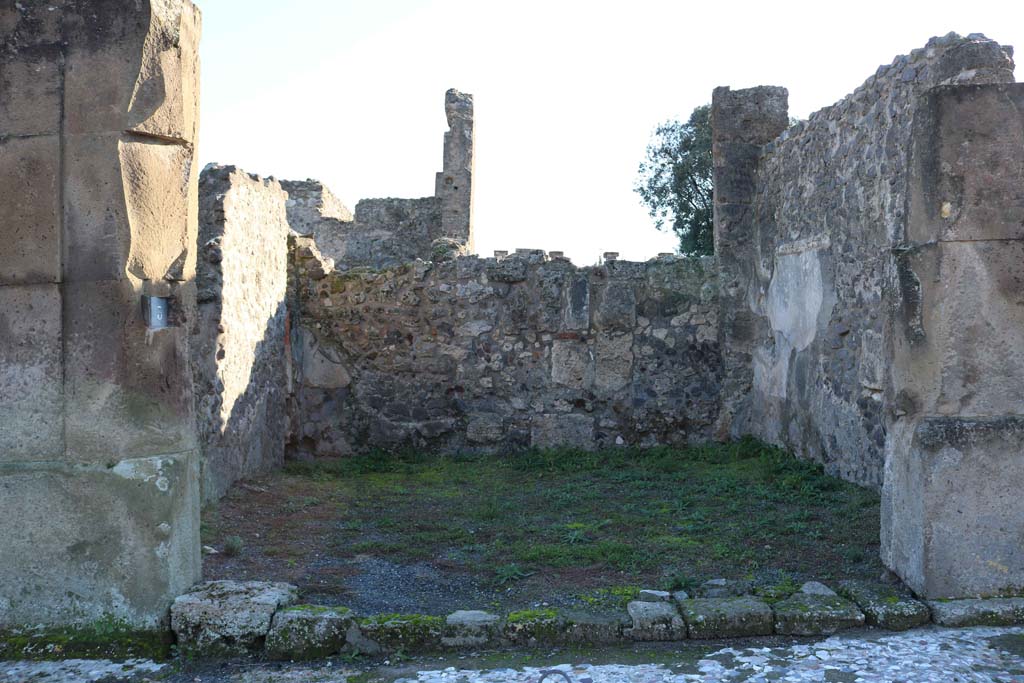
[
  {"x": 963, "y": 328},
  {"x": 128, "y": 393},
  {"x": 727, "y": 617},
  {"x": 805, "y": 614},
  {"x": 121, "y": 197},
  {"x": 885, "y": 606},
  {"x": 96, "y": 233},
  {"x": 616, "y": 309},
  {"x": 133, "y": 67},
  {"x": 91, "y": 544},
  {"x": 30, "y": 80},
  {"x": 572, "y": 364},
  {"x": 613, "y": 365},
  {"x": 31, "y": 376},
  {"x": 228, "y": 617},
  {"x": 951, "y": 507},
  {"x": 308, "y": 632},
  {"x": 991, "y": 612},
  {"x": 30, "y": 210},
  {"x": 969, "y": 144},
  {"x": 655, "y": 621}
]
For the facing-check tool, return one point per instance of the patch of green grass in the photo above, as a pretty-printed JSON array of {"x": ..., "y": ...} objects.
[
  {"x": 509, "y": 573},
  {"x": 233, "y": 545},
  {"x": 630, "y": 515}
]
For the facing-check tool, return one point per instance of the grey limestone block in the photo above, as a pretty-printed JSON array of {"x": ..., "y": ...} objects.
[
  {"x": 469, "y": 627},
  {"x": 978, "y": 612},
  {"x": 886, "y": 606},
  {"x": 227, "y": 617},
  {"x": 308, "y": 632},
  {"x": 655, "y": 621},
  {"x": 804, "y": 614},
  {"x": 727, "y": 617}
]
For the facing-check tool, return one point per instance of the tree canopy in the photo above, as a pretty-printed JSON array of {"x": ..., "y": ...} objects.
[{"x": 674, "y": 181}]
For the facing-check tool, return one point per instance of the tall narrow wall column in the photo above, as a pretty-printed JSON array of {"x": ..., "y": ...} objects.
[
  {"x": 952, "y": 510},
  {"x": 742, "y": 121},
  {"x": 454, "y": 184},
  {"x": 99, "y": 516}
]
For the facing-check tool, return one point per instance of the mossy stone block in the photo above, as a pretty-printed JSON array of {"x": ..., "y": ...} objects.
[
  {"x": 726, "y": 617},
  {"x": 804, "y": 614},
  {"x": 886, "y": 606}
]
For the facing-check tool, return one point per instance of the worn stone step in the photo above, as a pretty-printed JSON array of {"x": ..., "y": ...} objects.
[
  {"x": 727, "y": 617},
  {"x": 885, "y": 606}
]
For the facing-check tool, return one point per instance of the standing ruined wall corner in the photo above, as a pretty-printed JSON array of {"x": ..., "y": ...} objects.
[
  {"x": 869, "y": 316},
  {"x": 388, "y": 232},
  {"x": 238, "y": 355},
  {"x": 742, "y": 122},
  {"x": 454, "y": 184},
  {"x": 99, "y": 486}
]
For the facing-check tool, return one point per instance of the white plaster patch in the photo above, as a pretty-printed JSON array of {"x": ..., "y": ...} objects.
[{"x": 795, "y": 297}]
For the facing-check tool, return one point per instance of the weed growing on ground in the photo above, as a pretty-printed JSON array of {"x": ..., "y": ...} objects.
[
  {"x": 233, "y": 545},
  {"x": 658, "y": 517}
]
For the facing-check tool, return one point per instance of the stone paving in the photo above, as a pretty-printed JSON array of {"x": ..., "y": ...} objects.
[{"x": 927, "y": 654}]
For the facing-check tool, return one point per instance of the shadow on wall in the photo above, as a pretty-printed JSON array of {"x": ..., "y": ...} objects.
[{"x": 240, "y": 356}]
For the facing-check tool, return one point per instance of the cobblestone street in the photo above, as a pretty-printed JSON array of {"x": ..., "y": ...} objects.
[{"x": 923, "y": 655}]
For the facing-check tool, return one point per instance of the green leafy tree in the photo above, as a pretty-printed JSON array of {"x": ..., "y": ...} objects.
[{"x": 675, "y": 183}]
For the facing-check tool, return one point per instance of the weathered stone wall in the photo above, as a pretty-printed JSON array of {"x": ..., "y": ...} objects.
[
  {"x": 314, "y": 210},
  {"x": 871, "y": 271},
  {"x": 952, "y": 508},
  {"x": 239, "y": 358},
  {"x": 806, "y": 227},
  {"x": 503, "y": 354},
  {"x": 99, "y": 486},
  {"x": 385, "y": 233}
]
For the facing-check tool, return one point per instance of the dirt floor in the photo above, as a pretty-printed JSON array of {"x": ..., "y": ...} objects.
[{"x": 430, "y": 534}]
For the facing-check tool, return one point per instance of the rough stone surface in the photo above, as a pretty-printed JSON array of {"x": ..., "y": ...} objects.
[
  {"x": 227, "y": 617},
  {"x": 816, "y": 588},
  {"x": 951, "y": 508},
  {"x": 807, "y": 339},
  {"x": 307, "y": 632},
  {"x": 98, "y": 451},
  {"x": 501, "y": 354},
  {"x": 726, "y": 617},
  {"x": 723, "y": 588},
  {"x": 804, "y": 614},
  {"x": 655, "y": 621},
  {"x": 869, "y": 268},
  {"x": 989, "y": 612},
  {"x": 647, "y": 595},
  {"x": 885, "y": 606},
  {"x": 593, "y": 628},
  {"x": 238, "y": 345},
  {"x": 469, "y": 627}
]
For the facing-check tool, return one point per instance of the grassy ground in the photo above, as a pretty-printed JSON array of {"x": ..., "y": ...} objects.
[{"x": 554, "y": 522}]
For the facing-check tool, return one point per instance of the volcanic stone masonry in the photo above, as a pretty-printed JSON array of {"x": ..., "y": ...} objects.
[
  {"x": 872, "y": 314},
  {"x": 865, "y": 309},
  {"x": 239, "y": 359},
  {"x": 494, "y": 354}
]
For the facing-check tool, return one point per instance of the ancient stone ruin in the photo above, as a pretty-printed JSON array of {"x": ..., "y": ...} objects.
[{"x": 163, "y": 335}]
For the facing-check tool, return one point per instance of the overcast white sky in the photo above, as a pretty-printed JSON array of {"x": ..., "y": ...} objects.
[{"x": 567, "y": 93}]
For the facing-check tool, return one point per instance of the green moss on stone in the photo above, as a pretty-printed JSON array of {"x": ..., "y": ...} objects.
[
  {"x": 531, "y": 615},
  {"x": 404, "y": 632},
  {"x": 106, "y": 638}
]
